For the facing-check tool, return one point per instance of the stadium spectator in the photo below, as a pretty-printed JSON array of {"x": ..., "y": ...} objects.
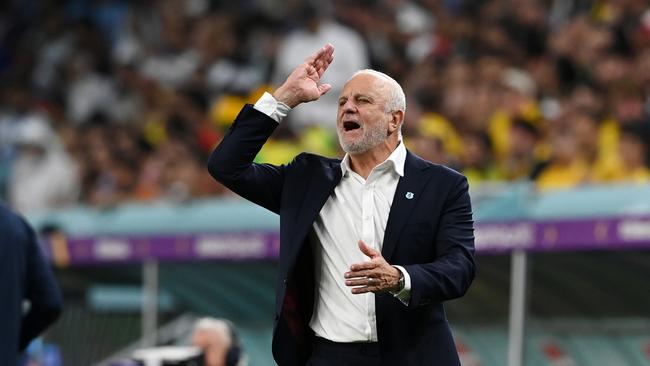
[
  {"x": 475, "y": 160},
  {"x": 31, "y": 300},
  {"x": 566, "y": 167},
  {"x": 43, "y": 176},
  {"x": 173, "y": 61},
  {"x": 523, "y": 158},
  {"x": 88, "y": 92},
  {"x": 635, "y": 154}
]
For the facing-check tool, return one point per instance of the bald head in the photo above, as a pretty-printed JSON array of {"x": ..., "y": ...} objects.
[
  {"x": 395, "y": 98},
  {"x": 214, "y": 337}
]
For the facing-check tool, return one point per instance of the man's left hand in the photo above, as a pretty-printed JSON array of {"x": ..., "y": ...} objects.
[{"x": 375, "y": 275}]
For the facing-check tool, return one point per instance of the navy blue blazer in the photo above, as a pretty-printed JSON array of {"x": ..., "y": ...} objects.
[
  {"x": 24, "y": 275},
  {"x": 431, "y": 235}
]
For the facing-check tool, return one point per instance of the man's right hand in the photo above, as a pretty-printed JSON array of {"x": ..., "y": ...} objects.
[{"x": 303, "y": 83}]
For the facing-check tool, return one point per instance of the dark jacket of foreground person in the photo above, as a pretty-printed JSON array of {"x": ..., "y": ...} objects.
[{"x": 31, "y": 300}]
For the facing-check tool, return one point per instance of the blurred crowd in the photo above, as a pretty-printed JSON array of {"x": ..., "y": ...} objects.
[{"x": 107, "y": 101}]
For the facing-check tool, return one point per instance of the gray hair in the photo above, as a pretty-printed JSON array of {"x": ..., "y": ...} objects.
[
  {"x": 218, "y": 327},
  {"x": 396, "y": 98}
]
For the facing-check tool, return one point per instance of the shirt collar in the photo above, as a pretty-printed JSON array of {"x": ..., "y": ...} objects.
[{"x": 395, "y": 160}]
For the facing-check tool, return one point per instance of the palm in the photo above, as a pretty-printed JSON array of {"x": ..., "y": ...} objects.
[
  {"x": 303, "y": 85},
  {"x": 308, "y": 83}
]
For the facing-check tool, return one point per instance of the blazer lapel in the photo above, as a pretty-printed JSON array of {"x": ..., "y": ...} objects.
[
  {"x": 319, "y": 188},
  {"x": 408, "y": 191}
]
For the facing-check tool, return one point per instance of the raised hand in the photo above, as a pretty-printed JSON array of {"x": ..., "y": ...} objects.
[
  {"x": 375, "y": 275},
  {"x": 303, "y": 85}
]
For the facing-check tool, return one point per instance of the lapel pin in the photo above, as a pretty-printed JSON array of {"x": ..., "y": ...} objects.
[{"x": 409, "y": 195}]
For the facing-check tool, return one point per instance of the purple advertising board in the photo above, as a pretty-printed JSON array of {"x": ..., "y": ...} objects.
[
  {"x": 491, "y": 238},
  {"x": 565, "y": 235}
]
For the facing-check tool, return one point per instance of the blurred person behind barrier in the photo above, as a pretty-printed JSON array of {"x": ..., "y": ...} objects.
[
  {"x": 522, "y": 160},
  {"x": 475, "y": 160},
  {"x": 31, "y": 300},
  {"x": 219, "y": 342},
  {"x": 566, "y": 167},
  {"x": 634, "y": 151}
]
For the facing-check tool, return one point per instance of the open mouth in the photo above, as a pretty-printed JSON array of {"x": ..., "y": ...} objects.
[{"x": 350, "y": 125}]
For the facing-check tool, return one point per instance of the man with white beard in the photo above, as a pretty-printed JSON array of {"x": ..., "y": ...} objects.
[{"x": 370, "y": 245}]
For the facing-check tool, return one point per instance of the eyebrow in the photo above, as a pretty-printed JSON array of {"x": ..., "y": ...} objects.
[{"x": 357, "y": 97}]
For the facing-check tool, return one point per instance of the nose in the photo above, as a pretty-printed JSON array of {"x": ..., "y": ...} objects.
[{"x": 349, "y": 106}]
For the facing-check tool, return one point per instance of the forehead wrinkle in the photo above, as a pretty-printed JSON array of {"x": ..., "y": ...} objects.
[
  {"x": 394, "y": 98},
  {"x": 376, "y": 91}
]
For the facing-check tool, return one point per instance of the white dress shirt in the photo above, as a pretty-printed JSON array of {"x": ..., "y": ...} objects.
[{"x": 358, "y": 209}]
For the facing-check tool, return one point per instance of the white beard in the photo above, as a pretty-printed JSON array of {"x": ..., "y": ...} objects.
[{"x": 370, "y": 138}]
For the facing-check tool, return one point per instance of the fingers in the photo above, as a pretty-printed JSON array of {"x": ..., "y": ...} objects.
[
  {"x": 367, "y": 284},
  {"x": 370, "y": 252},
  {"x": 370, "y": 276},
  {"x": 365, "y": 289},
  {"x": 302, "y": 85},
  {"x": 364, "y": 281},
  {"x": 324, "y": 56},
  {"x": 323, "y": 62},
  {"x": 328, "y": 53},
  {"x": 320, "y": 70},
  {"x": 324, "y": 88},
  {"x": 364, "y": 284},
  {"x": 363, "y": 266},
  {"x": 364, "y": 273},
  {"x": 314, "y": 56}
]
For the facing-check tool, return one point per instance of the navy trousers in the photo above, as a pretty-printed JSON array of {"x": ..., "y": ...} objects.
[{"x": 328, "y": 353}]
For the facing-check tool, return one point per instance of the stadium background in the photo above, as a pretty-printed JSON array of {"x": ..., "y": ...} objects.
[{"x": 108, "y": 110}]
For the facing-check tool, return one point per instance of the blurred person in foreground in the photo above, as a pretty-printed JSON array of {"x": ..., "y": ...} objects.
[
  {"x": 31, "y": 300},
  {"x": 219, "y": 342},
  {"x": 344, "y": 222}
]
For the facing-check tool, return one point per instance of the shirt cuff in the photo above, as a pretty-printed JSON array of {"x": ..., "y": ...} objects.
[
  {"x": 405, "y": 295},
  {"x": 268, "y": 105}
]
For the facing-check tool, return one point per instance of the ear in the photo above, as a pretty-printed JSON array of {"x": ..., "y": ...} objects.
[{"x": 396, "y": 120}]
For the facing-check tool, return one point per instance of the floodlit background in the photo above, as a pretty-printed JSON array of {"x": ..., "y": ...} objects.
[{"x": 109, "y": 109}]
